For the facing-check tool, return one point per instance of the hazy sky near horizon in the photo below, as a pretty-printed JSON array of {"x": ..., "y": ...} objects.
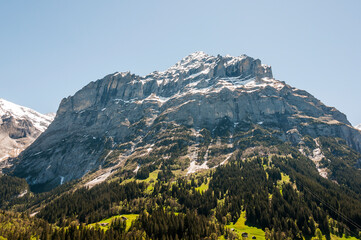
[{"x": 50, "y": 49}]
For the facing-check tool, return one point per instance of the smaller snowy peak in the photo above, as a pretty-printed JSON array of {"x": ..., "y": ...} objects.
[
  {"x": 19, "y": 127},
  {"x": 40, "y": 121},
  {"x": 358, "y": 127}
]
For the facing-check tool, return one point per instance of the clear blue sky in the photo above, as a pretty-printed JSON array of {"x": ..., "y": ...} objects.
[{"x": 49, "y": 49}]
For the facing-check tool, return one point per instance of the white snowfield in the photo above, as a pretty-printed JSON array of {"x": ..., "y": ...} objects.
[
  {"x": 358, "y": 127},
  {"x": 11, "y": 147},
  {"x": 40, "y": 121}
]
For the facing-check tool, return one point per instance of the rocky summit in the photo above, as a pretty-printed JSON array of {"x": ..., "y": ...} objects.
[{"x": 200, "y": 108}]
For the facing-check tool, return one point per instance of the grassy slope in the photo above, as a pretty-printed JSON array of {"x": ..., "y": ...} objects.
[
  {"x": 333, "y": 237},
  {"x": 130, "y": 219},
  {"x": 204, "y": 187},
  {"x": 240, "y": 227},
  {"x": 152, "y": 179}
]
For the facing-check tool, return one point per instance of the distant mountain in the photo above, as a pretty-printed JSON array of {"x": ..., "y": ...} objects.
[
  {"x": 194, "y": 115},
  {"x": 358, "y": 127},
  {"x": 19, "y": 127}
]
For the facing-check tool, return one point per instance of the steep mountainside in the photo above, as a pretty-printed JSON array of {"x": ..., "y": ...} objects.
[
  {"x": 19, "y": 127},
  {"x": 196, "y": 115}
]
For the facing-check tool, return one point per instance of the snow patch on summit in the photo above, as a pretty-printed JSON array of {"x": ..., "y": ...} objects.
[{"x": 200, "y": 73}]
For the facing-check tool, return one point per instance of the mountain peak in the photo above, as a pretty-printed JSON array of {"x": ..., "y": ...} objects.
[
  {"x": 196, "y": 56},
  {"x": 192, "y": 61},
  {"x": 202, "y": 65}
]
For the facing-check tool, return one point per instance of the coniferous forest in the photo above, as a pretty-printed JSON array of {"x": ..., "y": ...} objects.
[{"x": 282, "y": 195}]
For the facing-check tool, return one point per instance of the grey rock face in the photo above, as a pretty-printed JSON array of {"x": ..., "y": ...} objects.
[{"x": 197, "y": 92}]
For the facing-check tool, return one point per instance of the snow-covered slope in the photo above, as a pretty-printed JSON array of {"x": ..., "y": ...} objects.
[
  {"x": 40, "y": 121},
  {"x": 19, "y": 127},
  {"x": 358, "y": 127}
]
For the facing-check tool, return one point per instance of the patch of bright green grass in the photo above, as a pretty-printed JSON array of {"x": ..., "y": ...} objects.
[
  {"x": 152, "y": 179},
  {"x": 203, "y": 187},
  {"x": 127, "y": 181},
  {"x": 130, "y": 219},
  {"x": 240, "y": 227},
  {"x": 285, "y": 179},
  {"x": 334, "y": 237},
  {"x": 153, "y": 175}
]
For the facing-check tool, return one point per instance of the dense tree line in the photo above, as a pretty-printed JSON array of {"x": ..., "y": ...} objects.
[
  {"x": 283, "y": 209},
  {"x": 143, "y": 173},
  {"x": 190, "y": 199},
  {"x": 15, "y": 226},
  {"x": 250, "y": 186},
  {"x": 161, "y": 224},
  {"x": 116, "y": 230},
  {"x": 91, "y": 205},
  {"x": 10, "y": 188},
  {"x": 343, "y": 162},
  {"x": 332, "y": 198},
  {"x": 20, "y": 226}
]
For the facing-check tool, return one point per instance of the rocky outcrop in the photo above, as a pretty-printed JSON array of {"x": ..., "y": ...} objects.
[
  {"x": 19, "y": 127},
  {"x": 198, "y": 92}
]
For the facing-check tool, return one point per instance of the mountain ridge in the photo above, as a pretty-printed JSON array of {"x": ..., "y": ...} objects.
[{"x": 199, "y": 92}]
